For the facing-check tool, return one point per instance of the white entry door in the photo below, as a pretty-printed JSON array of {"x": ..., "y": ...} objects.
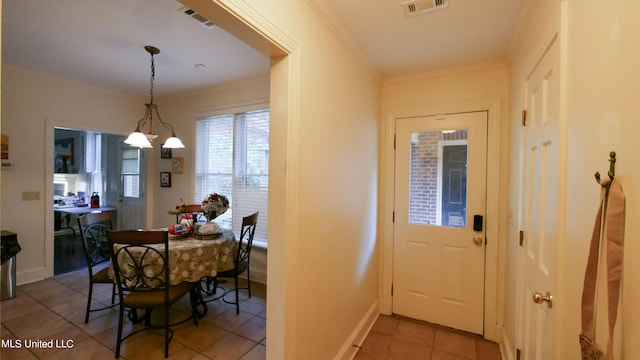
[
  {"x": 439, "y": 226},
  {"x": 131, "y": 213},
  {"x": 540, "y": 202}
]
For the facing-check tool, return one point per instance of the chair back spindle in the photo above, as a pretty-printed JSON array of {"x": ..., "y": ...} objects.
[
  {"x": 246, "y": 238},
  {"x": 93, "y": 229}
]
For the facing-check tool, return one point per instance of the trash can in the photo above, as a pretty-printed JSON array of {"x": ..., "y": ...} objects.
[{"x": 10, "y": 248}]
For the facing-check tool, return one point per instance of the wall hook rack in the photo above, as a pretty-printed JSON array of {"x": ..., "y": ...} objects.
[{"x": 612, "y": 167}]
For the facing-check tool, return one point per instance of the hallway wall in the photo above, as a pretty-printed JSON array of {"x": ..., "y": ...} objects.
[{"x": 325, "y": 102}]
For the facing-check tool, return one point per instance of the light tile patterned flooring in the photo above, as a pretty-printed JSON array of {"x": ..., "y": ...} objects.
[
  {"x": 395, "y": 337},
  {"x": 54, "y": 309}
]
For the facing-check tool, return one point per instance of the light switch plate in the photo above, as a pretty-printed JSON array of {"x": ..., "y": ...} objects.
[{"x": 30, "y": 195}]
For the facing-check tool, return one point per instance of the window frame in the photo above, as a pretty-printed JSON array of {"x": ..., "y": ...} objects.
[{"x": 236, "y": 174}]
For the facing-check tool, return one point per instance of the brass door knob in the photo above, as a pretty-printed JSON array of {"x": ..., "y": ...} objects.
[{"x": 538, "y": 298}]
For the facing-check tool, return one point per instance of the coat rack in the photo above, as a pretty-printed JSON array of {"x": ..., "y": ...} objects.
[{"x": 612, "y": 168}]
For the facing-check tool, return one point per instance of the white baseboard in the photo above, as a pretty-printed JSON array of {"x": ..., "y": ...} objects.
[
  {"x": 348, "y": 350},
  {"x": 506, "y": 348},
  {"x": 257, "y": 275},
  {"x": 32, "y": 275},
  {"x": 259, "y": 265}
]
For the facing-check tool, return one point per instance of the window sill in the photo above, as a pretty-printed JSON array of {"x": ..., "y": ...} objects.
[{"x": 260, "y": 244}]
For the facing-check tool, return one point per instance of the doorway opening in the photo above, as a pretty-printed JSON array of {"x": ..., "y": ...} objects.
[{"x": 92, "y": 172}]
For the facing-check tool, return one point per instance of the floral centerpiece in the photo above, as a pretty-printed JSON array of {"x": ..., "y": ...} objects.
[{"x": 214, "y": 205}]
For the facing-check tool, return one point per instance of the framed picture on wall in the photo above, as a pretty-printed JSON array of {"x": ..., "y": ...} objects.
[
  {"x": 165, "y": 153},
  {"x": 177, "y": 164},
  {"x": 165, "y": 179},
  {"x": 64, "y": 156}
]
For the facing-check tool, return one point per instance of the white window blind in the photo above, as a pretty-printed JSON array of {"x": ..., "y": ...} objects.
[
  {"x": 232, "y": 159},
  {"x": 131, "y": 172}
]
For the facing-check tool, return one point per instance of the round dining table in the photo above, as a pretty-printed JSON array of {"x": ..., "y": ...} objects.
[{"x": 191, "y": 259}]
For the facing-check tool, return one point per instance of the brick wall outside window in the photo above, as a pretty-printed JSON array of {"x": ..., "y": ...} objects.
[{"x": 423, "y": 192}]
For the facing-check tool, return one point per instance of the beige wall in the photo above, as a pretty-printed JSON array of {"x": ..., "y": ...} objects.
[
  {"x": 31, "y": 106},
  {"x": 323, "y": 282},
  {"x": 602, "y": 104},
  {"x": 601, "y": 58}
]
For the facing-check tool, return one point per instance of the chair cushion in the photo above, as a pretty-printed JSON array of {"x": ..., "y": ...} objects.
[
  {"x": 155, "y": 298},
  {"x": 102, "y": 276}
]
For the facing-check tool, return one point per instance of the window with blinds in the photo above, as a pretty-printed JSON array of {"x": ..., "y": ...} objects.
[
  {"x": 232, "y": 159},
  {"x": 130, "y": 172}
]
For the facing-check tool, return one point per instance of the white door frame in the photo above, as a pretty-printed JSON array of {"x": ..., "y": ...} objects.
[{"x": 493, "y": 225}]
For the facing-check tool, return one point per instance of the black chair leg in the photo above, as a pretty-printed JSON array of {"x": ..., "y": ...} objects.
[
  {"x": 167, "y": 338},
  {"x": 119, "y": 338},
  {"x": 195, "y": 295},
  {"x": 147, "y": 316},
  {"x": 237, "y": 299},
  {"x": 86, "y": 317},
  {"x": 210, "y": 287},
  {"x": 113, "y": 294}
]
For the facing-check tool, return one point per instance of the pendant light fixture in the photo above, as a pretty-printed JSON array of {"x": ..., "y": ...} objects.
[{"x": 142, "y": 140}]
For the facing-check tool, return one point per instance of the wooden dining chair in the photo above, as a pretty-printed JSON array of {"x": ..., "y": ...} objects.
[
  {"x": 141, "y": 265},
  {"x": 241, "y": 261},
  {"x": 190, "y": 210},
  {"x": 93, "y": 229}
]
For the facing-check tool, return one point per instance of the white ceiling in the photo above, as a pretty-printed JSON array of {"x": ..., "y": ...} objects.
[
  {"x": 100, "y": 42},
  {"x": 465, "y": 32}
]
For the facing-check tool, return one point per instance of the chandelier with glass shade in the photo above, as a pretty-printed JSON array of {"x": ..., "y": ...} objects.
[{"x": 139, "y": 138}]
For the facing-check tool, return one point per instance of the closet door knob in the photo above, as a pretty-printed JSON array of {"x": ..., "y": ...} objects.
[{"x": 538, "y": 298}]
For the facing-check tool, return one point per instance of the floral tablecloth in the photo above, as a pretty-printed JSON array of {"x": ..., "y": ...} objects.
[{"x": 192, "y": 259}]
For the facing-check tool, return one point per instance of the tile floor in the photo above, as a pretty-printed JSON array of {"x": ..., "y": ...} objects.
[
  {"x": 395, "y": 337},
  {"x": 53, "y": 309},
  {"x": 68, "y": 254}
]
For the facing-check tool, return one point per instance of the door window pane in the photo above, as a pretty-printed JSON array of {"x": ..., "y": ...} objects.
[
  {"x": 438, "y": 178},
  {"x": 130, "y": 173}
]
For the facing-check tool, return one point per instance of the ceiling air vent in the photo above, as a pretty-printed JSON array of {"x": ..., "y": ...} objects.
[
  {"x": 199, "y": 18},
  {"x": 421, "y": 6}
]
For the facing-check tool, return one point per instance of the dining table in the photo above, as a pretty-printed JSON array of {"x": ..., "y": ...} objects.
[{"x": 192, "y": 257}]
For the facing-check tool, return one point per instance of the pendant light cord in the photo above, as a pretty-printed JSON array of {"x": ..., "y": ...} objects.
[{"x": 153, "y": 75}]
